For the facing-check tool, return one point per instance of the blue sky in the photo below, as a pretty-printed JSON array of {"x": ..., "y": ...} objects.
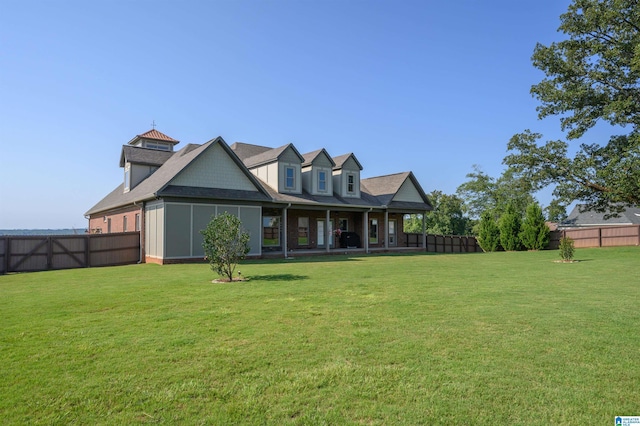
[{"x": 429, "y": 86}]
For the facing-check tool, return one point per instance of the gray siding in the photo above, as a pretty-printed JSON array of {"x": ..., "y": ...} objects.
[
  {"x": 408, "y": 192},
  {"x": 185, "y": 221}
]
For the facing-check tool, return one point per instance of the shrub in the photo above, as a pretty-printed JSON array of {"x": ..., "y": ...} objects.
[
  {"x": 535, "y": 232},
  {"x": 510, "y": 229},
  {"x": 488, "y": 232},
  {"x": 566, "y": 249},
  {"x": 225, "y": 244}
]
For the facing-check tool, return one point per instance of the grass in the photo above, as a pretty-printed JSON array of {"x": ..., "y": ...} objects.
[{"x": 498, "y": 338}]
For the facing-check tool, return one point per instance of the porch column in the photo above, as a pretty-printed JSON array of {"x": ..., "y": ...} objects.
[
  {"x": 424, "y": 231},
  {"x": 327, "y": 231},
  {"x": 365, "y": 231},
  {"x": 284, "y": 231},
  {"x": 386, "y": 229}
]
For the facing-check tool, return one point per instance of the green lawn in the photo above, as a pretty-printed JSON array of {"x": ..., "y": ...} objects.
[{"x": 499, "y": 338}]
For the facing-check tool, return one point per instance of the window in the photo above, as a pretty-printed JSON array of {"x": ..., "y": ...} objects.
[
  {"x": 271, "y": 231},
  {"x": 158, "y": 146},
  {"x": 303, "y": 231},
  {"x": 289, "y": 178},
  {"x": 344, "y": 224},
  {"x": 124, "y": 224},
  {"x": 322, "y": 181},
  {"x": 373, "y": 231},
  {"x": 137, "y": 221},
  {"x": 351, "y": 184},
  {"x": 127, "y": 177}
]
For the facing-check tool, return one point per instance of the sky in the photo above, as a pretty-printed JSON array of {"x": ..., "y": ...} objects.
[{"x": 434, "y": 87}]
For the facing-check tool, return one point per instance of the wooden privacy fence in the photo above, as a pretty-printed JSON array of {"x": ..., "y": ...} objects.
[
  {"x": 445, "y": 243},
  {"x": 42, "y": 253},
  {"x": 604, "y": 236}
]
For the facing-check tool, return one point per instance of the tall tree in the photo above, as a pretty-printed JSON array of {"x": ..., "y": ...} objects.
[
  {"x": 593, "y": 75},
  {"x": 483, "y": 193},
  {"x": 509, "y": 225},
  {"x": 488, "y": 232}
]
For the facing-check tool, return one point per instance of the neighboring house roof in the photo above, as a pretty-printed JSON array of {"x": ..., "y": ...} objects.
[
  {"x": 270, "y": 156},
  {"x": 311, "y": 156},
  {"x": 341, "y": 159},
  {"x": 578, "y": 218},
  {"x": 137, "y": 155},
  {"x": 158, "y": 183},
  {"x": 154, "y": 134},
  {"x": 385, "y": 188},
  {"x": 247, "y": 150}
]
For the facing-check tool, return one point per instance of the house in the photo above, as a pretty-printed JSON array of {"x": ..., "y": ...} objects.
[
  {"x": 589, "y": 218},
  {"x": 287, "y": 201}
]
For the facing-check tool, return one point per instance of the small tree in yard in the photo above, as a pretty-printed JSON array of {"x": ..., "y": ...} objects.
[
  {"x": 488, "y": 232},
  {"x": 535, "y": 232},
  {"x": 567, "y": 248},
  {"x": 225, "y": 244}
]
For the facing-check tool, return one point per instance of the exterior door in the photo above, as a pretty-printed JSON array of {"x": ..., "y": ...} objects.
[{"x": 321, "y": 237}]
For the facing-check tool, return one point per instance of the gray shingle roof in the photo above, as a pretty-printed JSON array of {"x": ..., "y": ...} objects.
[
  {"x": 270, "y": 156},
  {"x": 384, "y": 188},
  {"x": 246, "y": 150},
  {"x": 156, "y": 183},
  {"x": 149, "y": 157},
  {"x": 577, "y": 218},
  {"x": 309, "y": 157}
]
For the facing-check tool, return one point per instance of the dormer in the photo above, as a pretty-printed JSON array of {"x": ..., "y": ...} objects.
[
  {"x": 280, "y": 168},
  {"x": 154, "y": 139},
  {"x": 317, "y": 173},
  {"x": 346, "y": 176},
  {"x": 143, "y": 155}
]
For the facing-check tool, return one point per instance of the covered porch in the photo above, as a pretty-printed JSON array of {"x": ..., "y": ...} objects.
[{"x": 310, "y": 230}]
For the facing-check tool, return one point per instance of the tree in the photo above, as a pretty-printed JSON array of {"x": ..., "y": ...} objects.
[
  {"x": 535, "y": 233},
  {"x": 556, "y": 211},
  {"x": 593, "y": 75},
  {"x": 509, "y": 225},
  {"x": 447, "y": 216},
  {"x": 483, "y": 193},
  {"x": 488, "y": 232},
  {"x": 225, "y": 244}
]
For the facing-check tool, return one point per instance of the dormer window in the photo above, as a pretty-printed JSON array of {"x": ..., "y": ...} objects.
[
  {"x": 127, "y": 177},
  {"x": 158, "y": 146},
  {"x": 351, "y": 183},
  {"x": 290, "y": 178},
  {"x": 322, "y": 181}
]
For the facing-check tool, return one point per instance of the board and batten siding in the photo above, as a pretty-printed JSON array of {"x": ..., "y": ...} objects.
[
  {"x": 268, "y": 174},
  {"x": 214, "y": 168},
  {"x": 154, "y": 230},
  {"x": 184, "y": 221},
  {"x": 408, "y": 192}
]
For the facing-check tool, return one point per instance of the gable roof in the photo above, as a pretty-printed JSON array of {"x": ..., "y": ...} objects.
[
  {"x": 156, "y": 135},
  {"x": 270, "y": 156},
  {"x": 160, "y": 181},
  {"x": 341, "y": 159},
  {"x": 578, "y": 218},
  {"x": 385, "y": 188},
  {"x": 310, "y": 157},
  {"x": 146, "y": 156}
]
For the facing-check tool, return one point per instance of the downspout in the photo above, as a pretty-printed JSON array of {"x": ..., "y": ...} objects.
[{"x": 284, "y": 230}]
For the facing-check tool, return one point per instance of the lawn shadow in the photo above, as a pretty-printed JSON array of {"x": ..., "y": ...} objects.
[{"x": 277, "y": 277}]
